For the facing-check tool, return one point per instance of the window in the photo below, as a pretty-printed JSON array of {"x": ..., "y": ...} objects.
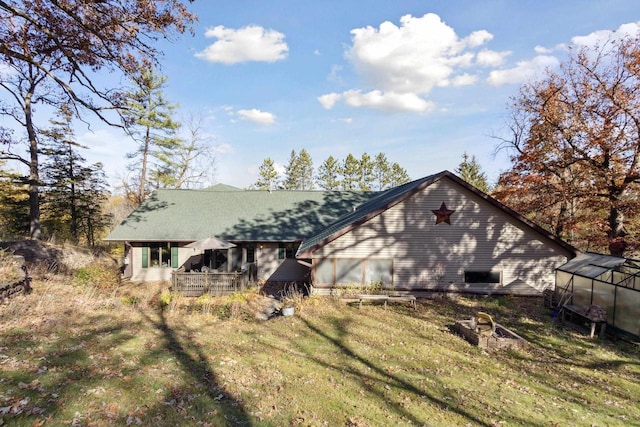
[
  {"x": 482, "y": 277},
  {"x": 354, "y": 271},
  {"x": 157, "y": 254},
  {"x": 349, "y": 271},
  {"x": 286, "y": 250},
  {"x": 251, "y": 254}
]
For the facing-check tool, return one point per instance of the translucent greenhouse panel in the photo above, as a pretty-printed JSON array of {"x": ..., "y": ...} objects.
[
  {"x": 607, "y": 276},
  {"x": 603, "y": 295},
  {"x": 562, "y": 279},
  {"x": 348, "y": 271},
  {"x": 628, "y": 311},
  {"x": 378, "y": 271},
  {"x": 324, "y": 272},
  {"x": 581, "y": 290}
]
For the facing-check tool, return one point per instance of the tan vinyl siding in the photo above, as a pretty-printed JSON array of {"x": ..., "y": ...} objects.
[
  {"x": 481, "y": 237},
  {"x": 270, "y": 268}
]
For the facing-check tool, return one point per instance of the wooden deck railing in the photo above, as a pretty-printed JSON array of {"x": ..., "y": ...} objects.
[{"x": 194, "y": 284}]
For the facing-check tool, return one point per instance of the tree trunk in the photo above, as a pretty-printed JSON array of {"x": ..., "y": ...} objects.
[
  {"x": 35, "y": 230},
  {"x": 143, "y": 172},
  {"x": 617, "y": 243}
]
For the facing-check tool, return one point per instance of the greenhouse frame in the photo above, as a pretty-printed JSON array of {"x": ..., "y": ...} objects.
[{"x": 610, "y": 282}]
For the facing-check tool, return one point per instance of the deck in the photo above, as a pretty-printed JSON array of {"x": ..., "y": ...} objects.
[{"x": 195, "y": 284}]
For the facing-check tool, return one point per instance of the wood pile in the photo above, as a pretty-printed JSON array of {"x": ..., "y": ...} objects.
[{"x": 14, "y": 277}]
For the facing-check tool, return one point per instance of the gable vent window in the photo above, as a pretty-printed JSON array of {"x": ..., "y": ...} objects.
[{"x": 480, "y": 276}]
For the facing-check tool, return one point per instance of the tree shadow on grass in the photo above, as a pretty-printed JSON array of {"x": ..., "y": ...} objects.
[
  {"x": 392, "y": 380},
  {"x": 44, "y": 376},
  {"x": 553, "y": 346},
  {"x": 193, "y": 360}
]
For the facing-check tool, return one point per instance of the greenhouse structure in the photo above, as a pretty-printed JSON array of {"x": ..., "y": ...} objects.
[{"x": 610, "y": 282}]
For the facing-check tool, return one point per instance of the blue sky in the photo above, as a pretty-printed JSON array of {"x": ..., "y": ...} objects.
[{"x": 421, "y": 81}]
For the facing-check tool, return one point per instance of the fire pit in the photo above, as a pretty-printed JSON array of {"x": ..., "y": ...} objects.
[{"x": 498, "y": 336}]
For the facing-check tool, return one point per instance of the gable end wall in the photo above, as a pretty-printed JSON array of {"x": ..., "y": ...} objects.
[{"x": 429, "y": 256}]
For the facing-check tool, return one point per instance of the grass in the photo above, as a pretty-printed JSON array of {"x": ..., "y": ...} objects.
[{"x": 76, "y": 355}]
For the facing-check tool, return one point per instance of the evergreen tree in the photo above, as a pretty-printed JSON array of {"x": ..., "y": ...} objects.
[
  {"x": 305, "y": 167},
  {"x": 367, "y": 176},
  {"x": 350, "y": 173},
  {"x": 268, "y": 176},
  {"x": 328, "y": 177},
  {"x": 74, "y": 193},
  {"x": 93, "y": 195},
  {"x": 398, "y": 175},
  {"x": 299, "y": 171},
  {"x": 292, "y": 172},
  {"x": 381, "y": 172},
  {"x": 52, "y": 52},
  {"x": 470, "y": 171},
  {"x": 151, "y": 125}
]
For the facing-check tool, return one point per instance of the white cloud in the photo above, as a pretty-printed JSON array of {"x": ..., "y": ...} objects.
[
  {"x": 329, "y": 100},
  {"x": 523, "y": 71},
  {"x": 478, "y": 38},
  {"x": 541, "y": 50},
  {"x": 401, "y": 64},
  {"x": 421, "y": 54},
  {"x": 257, "y": 116},
  {"x": 491, "y": 58},
  {"x": 390, "y": 101},
  {"x": 603, "y": 36},
  {"x": 250, "y": 43},
  {"x": 464, "y": 80}
]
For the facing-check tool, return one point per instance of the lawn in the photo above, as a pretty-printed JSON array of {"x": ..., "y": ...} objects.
[{"x": 77, "y": 355}]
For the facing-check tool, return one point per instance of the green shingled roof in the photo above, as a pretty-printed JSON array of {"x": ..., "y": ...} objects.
[{"x": 188, "y": 215}]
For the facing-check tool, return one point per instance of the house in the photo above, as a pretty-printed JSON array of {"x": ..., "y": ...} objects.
[
  {"x": 266, "y": 227},
  {"x": 437, "y": 233}
]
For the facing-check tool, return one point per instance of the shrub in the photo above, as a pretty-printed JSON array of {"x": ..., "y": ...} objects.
[
  {"x": 97, "y": 275},
  {"x": 165, "y": 298}
]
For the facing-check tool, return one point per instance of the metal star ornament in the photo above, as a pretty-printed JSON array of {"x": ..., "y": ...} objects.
[{"x": 443, "y": 214}]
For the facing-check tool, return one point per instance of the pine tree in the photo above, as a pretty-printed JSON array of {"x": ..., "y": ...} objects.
[
  {"x": 367, "y": 176},
  {"x": 299, "y": 171},
  {"x": 470, "y": 171},
  {"x": 74, "y": 193},
  {"x": 381, "y": 172},
  {"x": 268, "y": 175},
  {"x": 328, "y": 177},
  {"x": 350, "y": 173},
  {"x": 152, "y": 127},
  {"x": 292, "y": 179},
  {"x": 398, "y": 175},
  {"x": 305, "y": 167},
  {"x": 93, "y": 195}
]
